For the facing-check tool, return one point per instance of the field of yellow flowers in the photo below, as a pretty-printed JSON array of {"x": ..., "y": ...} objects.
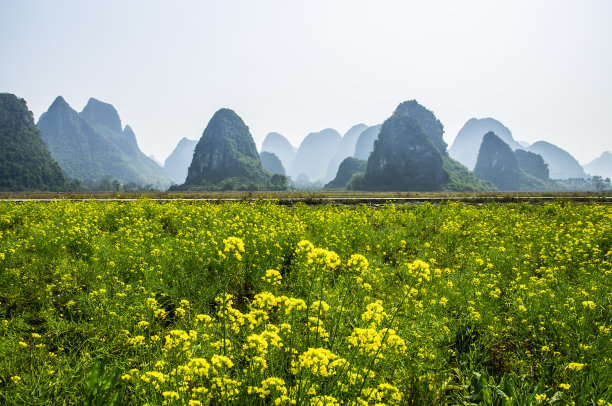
[{"x": 184, "y": 303}]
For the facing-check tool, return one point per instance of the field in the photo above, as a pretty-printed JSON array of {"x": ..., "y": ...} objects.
[{"x": 257, "y": 303}]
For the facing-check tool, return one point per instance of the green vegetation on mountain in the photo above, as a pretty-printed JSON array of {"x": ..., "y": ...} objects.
[
  {"x": 432, "y": 127},
  {"x": 460, "y": 179},
  {"x": 25, "y": 161},
  {"x": 91, "y": 146},
  {"x": 271, "y": 163},
  {"x": 348, "y": 168},
  {"x": 498, "y": 164},
  {"x": 403, "y": 159},
  {"x": 226, "y": 158},
  {"x": 410, "y": 155},
  {"x": 467, "y": 142},
  {"x": 532, "y": 164}
]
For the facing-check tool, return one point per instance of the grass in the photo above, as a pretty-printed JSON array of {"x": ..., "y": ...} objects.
[{"x": 181, "y": 302}]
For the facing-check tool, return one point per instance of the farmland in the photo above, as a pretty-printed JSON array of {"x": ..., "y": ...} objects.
[{"x": 256, "y": 303}]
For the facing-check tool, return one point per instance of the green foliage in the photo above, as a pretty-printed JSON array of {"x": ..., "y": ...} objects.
[
  {"x": 532, "y": 164},
  {"x": 271, "y": 163},
  {"x": 101, "y": 385},
  {"x": 275, "y": 182},
  {"x": 348, "y": 168},
  {"x": 278, "y": 182},
  {"x": 600, "y": 184},
  {"x": 432, "y": 127},
  {"x": 460, "y": 179},
  {"x": 25, "y": 161}
]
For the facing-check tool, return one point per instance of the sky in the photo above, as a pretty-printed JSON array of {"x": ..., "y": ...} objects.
[{"x": 542, "y": 68}]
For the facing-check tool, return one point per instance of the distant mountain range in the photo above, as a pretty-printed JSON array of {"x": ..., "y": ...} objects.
[
  {"x": 601, "y": 166},
  {"x": 319, "y": 149},
  {"x": 281, "y": 147},
  {"x": 406, "y": 152},
  {"x": 314, "y": 154},
  {"x": 466, "y": 145},
  {"x": 92, "y": 145},
  {"x": 365, "y": 143},
  {"x": 345, "y": 149},
  {"x": 510, "y": 170},
  {"x": 178, "y": 161},
  {"x": 561, "y": 164}
]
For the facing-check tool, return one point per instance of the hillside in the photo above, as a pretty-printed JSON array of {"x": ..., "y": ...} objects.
[
  {"x": 498, "y": 164},
  {"x": 348, "y": 168},
  {"x": 365, "y": 143},
  {"x": 601, "y": 166},
  {"x": 25, "y": 161},
  {"x": 403, "y": 159},
  {"x": 345, "y": 149},
  {"x": 406, "y": 157},
  {"x": 466, "y": 145},
  {"x": 226, "y": 158},
  {"x": 279, "y": 146},
  {"x": 532, "y": 164},
  {"x": 92, "y": 146},
  {"x": 432, "y": 127},
  {"x": 271, "y": 163},
  {"x": 561, "y": 164}
]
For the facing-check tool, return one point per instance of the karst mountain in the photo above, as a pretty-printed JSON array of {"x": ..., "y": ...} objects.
[
  {"x": 561, "y": 164},
  {"x": 467, "y": 143},
  {"x": 510, "y": 170},
  {"x": 410, "y": 155},
  {"x": 281, "y": 147},
  {"x": 601, "y": 166},
  {"x": 226, "y": 158},
  {"x": 25, "y": 161},
  {"x": 314, "y": 155},
  {"x": 92, "y": 145}
]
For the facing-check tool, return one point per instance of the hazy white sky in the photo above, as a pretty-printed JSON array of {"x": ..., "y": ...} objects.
[{"x": 543, "y": 68}]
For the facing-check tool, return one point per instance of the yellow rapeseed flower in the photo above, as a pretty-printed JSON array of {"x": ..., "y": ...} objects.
[{"x": 575, "y": 366}]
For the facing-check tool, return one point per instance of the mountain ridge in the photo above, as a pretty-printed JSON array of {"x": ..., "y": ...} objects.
[{"x": 92, "y": 145}]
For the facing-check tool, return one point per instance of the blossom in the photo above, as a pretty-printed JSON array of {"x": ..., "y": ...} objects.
[{"x": 575, "y": 366}]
